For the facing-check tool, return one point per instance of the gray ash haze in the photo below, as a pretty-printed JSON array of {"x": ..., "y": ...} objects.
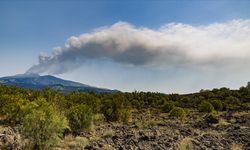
[{"x": 212, "y": 46}]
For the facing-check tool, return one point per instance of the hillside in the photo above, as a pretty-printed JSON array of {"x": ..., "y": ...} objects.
[{"x": 35, "y": 81}]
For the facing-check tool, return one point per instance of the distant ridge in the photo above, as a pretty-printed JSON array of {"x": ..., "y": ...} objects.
[{"x": 35, "y": 81}]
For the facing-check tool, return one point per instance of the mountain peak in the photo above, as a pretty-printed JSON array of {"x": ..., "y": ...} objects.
[{"x": 27, "y": 75}]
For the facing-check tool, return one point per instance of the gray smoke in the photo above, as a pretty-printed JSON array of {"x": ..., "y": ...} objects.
[{"x": 175, "y": 44}]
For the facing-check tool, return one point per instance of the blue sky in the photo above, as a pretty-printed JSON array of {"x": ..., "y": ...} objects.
[{"x": 29, "y": 28}]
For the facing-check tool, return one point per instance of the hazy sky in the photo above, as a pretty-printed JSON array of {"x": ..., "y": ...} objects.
[{"x": 165, "y": 46}]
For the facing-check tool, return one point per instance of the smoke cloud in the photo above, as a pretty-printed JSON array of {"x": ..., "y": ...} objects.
[{"x": 219, "y": 44}]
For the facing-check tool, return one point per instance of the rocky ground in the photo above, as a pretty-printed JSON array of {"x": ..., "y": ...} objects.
[{"x": 151, "y": 129}]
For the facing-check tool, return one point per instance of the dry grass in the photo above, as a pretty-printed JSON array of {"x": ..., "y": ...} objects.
[
  {"x": 94, "y": 138},
  {"x": 236, "y": 147},
  {"x": 238, "y": 114},
  {"x": 223, "y": 122},
  {"x": 1, "y": 129},
  {"x": 186, "y": 144},
  {"x": 109, "y": 133},
  {"x": 107, "y": 147},
  {"x": 232, "y": 120},
  {"x": 98, "y": 118},
  {"x": 71, "y": 142},
  {"x": 164, "y": 115},
  {"x": 140, "y": 124}
]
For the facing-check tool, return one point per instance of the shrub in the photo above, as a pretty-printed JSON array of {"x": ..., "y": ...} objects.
[
  {"x": 109, "y": 133},
  {"x": 206, "y": 106},
  {"x": 80, "y": 117},
  {"x": 197, "y": 100},
  {"x": 168, "y": 106},
  {"x": 98, "y": 118},
  {"x": 186, "y": 144},
  {"x": 12, "y": 109},
  {"x": 178, "y": 112},
  {"x": 110, "y": 109},
  {"x": 115, "y": 110},
  {"x": 186, "y": 102},
  {"x": 42, "y": 124},
  {"x": 217, "y": 105},
  {"x": 232, "y": 101},
  {"x": 124, "y": 115}
]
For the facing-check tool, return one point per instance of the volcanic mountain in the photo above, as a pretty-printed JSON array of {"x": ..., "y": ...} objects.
[{"x": 35, "y": 81}]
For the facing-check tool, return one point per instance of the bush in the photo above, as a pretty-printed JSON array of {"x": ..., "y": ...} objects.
[
  {"x": 168, "y": 106},
  {"x": 12, "y": 109},
  {"x": 124, "y": 115},
  {"x": 206, "y": 106},
  {"x": 217, "y": 105},
  {"x": 110, "y": 109},
  {"x": 42, "y": 124},
  {"x": 186, "y": 102},
  {"x": 178, "y": 112},
  {"x": 115, "y": 110},
  {"x": 80, "y": 117},
  {"x": 232, "y": 101}
]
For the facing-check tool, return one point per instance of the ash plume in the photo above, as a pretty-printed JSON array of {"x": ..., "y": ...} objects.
[{"x": 175, "y": 44}]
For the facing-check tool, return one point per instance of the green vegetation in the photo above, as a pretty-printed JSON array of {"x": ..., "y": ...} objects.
[
  {"x": 217, "y": 104},
  {"x": 116, "y": 108},
  {"x": 232, "y": 102},
  {"x": 110, "y": 110},
  {"x": 44, "y": 115},
  {"x": 178, "y": 112},
  {"x": 124, "y": 115},
  {"x": 206, "y": 106},
  {"x": 80, "y": 117},
  {"x": 168, "y": 106},
  {"x": 42, "y": 124}
]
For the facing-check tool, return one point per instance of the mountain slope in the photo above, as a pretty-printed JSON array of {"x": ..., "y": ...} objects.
[{"x": 36, "y": 81}]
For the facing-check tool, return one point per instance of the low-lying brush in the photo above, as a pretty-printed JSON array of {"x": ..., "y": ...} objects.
[
  {"x": 178, "y": 112},
  {"x": 206, "y": 106},
  {"x": 44, "y": 115},
  {"x": 80, "y": 118}
]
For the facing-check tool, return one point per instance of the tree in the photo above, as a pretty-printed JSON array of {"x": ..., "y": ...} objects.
[
  {"x": 80, "y": 117},
  {"x": 116, "y": 108},
  {"x": 42, "y": 124},
  {"x": 110, "y": 109},
  {"x": 248, "y": 85}
]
